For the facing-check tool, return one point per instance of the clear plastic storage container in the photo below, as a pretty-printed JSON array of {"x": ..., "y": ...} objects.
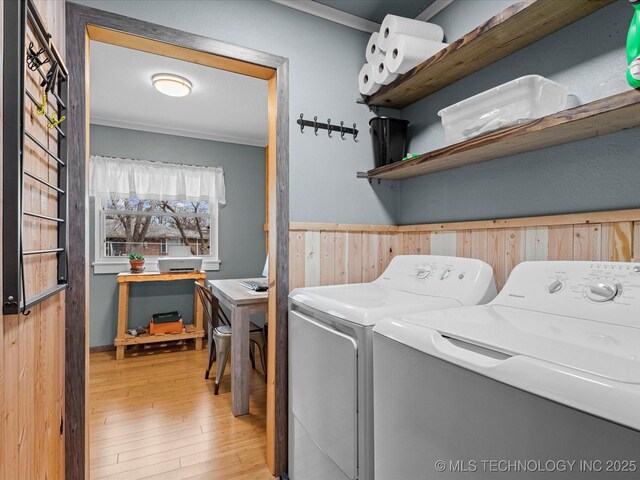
[{"x": 514, "y": 102}]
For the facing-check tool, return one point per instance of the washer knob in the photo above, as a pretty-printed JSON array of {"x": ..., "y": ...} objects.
[
  {"x": 555, "y": 286},
  {"x": 445, "y": 273},
  {"x": 423, "y": 273},
  {"x": 601, "y": 291}
]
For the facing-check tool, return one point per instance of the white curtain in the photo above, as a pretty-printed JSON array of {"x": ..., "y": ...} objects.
[{"x": 124, "y": 178}]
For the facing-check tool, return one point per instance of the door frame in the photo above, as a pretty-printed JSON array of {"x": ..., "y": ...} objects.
[{"x": 85, "y": 24}]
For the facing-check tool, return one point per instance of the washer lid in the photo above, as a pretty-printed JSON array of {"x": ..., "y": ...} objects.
[
  {"x": 366, "y": 303},
  {"x": 589, "y": 365}
]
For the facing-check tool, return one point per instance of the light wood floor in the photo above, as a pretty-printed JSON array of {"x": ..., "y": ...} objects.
[{"x": 155, "y": 416}]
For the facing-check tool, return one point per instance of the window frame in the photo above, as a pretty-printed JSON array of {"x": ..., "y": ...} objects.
[{"x": 105, "y": 265}]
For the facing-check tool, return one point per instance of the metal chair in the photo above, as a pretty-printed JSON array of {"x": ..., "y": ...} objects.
[{"x": 219, "y": 329}]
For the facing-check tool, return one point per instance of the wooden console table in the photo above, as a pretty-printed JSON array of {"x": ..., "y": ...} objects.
[{"x": 195, "y": 331}]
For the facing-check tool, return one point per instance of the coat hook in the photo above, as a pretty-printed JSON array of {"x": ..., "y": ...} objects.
[
  {"x": 301, "y": 123},
  {"x": 33, "y": 60},
  {"x": 341, "y": 129},
  {"x": 55, "y": 121},
  {"x": 329, "y": 127},
  {"x": 43, "y": 105},
  {"x": 315, "y": 124},
  {"x": 51, "y": 78},
  {"x": 355, "y": 132}
]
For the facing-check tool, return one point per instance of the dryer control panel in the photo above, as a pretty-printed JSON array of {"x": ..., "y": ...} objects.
[
  {"x": 602, "y": 291},
  {"x": 468, "y": 280}
]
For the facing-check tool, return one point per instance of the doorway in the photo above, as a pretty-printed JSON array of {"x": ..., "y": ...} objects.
[{"x": 85, "y": 24}]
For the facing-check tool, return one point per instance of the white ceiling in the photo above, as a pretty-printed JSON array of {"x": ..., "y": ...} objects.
[{"x": 222, "y": 106}]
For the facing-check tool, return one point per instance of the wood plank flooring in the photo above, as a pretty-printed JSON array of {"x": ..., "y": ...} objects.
[{"x": 153, "y": 415}]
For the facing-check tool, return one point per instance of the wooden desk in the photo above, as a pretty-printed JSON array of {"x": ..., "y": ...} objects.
[
  {"x": 242, "y": 303},
  {"x": 195, "y": 331}
]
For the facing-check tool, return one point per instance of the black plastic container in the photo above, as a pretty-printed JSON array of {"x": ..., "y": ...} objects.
[{"x": 389, "y": 137}]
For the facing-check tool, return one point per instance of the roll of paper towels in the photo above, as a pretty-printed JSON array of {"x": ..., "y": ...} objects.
[
  {"x": 406, "y": 51},
  {"x": 381, "y": 73},
  {"x": 372, "y": 48},
  {"x": 393, "y": 25},
  {"x": 366, "y": 83}
]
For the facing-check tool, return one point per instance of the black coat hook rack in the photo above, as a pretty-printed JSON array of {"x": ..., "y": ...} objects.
[{"x": 327, "y": 126}]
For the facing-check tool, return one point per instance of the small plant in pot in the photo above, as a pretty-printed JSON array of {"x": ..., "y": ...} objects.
[{"x": 136, "y": 261}]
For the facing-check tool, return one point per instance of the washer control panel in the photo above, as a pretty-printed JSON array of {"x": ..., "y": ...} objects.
[{"x": 606, "y": 291}]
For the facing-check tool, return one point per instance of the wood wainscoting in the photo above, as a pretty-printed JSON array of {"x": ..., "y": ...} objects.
[{"x": 332, "y": 254}]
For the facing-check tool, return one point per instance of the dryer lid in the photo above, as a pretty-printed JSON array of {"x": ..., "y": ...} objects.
[
  {"x": 410, "y": 283},
  {"x": 366, "y": 303}
]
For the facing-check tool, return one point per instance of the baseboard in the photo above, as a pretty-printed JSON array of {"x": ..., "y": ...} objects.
[{"x": 102, "y": 348}]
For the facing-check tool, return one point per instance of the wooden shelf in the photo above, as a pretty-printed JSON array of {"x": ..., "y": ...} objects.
[
  {"x": 143, "y": 338},
  {"x": 593, "y": 119},
  {"x": 511, "y": 30}
]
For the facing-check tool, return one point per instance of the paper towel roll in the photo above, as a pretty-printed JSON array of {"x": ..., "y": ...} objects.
[
  {"x": 381, "y": 73},
  {"x": 406, "y": 51},
  {"x": 372, "y": 48},
  {"x": 393, "y": 25},
  {"x": 366, "y": 83}
]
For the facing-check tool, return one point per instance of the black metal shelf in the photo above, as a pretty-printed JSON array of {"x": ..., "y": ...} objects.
[{"x": 18, "y": 58}]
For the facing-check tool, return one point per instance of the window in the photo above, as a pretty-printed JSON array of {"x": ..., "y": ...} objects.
[
  {"x": 150, "y": 228},
  {"x": 147, "y": 207}
]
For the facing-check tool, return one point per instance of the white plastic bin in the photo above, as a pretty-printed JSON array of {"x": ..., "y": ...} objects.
[{"x": 514, "y": 102}]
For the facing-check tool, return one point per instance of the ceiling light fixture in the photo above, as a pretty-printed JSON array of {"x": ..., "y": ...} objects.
[{"x": 172, "y": 85}]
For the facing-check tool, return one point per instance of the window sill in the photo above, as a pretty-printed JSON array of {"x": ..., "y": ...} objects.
[{"x": 106, "y": 267}]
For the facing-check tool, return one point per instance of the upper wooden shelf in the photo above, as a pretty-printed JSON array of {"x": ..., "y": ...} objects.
[
  {"x": 603, "y": 116},
  {"x": 515, "y": 28}
]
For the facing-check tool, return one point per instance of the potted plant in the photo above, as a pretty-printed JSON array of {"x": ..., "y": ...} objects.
[{"x": 136, "y": 261}]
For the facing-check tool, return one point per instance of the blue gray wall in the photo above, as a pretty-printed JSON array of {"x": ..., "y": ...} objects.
[
  {"x": 325, "y": 59},
  {"x": 595, "y": 174},
  {"x": 241, "y": 223}
]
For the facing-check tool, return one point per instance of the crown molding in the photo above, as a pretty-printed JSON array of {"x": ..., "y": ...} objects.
[
  {"x": 110, "y": 122},
  {"x": 433, "y": 9},
  {"x": 331, "y": 14}
]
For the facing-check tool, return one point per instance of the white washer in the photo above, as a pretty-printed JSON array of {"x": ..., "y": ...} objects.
[
  {"x": 547, "y": 374},
  {"x": 330, "y": 355}
]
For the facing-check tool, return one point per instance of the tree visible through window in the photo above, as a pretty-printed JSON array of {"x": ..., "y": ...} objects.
[{"x": 149, "y": 227}]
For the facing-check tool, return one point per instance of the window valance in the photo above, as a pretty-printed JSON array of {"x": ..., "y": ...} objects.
[{"x": 125, "y": 178}]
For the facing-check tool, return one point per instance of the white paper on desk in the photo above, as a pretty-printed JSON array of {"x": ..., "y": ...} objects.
[{"x": 253, "y": 292}]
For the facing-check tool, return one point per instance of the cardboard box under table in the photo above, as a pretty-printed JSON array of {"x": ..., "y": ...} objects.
[
  {"x": 165, "y": 323},
  {"x": 195, "y": 331}
]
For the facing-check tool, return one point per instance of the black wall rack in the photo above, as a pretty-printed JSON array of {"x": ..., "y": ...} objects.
[
  {"x": 327, "y": 126},
  {"x": 44, "y": 59}
]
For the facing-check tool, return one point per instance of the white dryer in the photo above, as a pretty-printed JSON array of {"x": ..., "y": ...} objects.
[
  {"x": 330, "y": 356},
  {"x": 542, "y": 382}
]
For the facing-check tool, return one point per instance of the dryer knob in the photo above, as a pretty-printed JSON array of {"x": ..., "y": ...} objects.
[
  {"x": 601, "y": 291},
  {"x": 423, "y": 273}
]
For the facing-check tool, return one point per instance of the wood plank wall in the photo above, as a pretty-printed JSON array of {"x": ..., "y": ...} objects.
[
  {"x": 32, "y": 346},
  {"x": 321, "y": 254},
  {"x": 332, "y": 254}
]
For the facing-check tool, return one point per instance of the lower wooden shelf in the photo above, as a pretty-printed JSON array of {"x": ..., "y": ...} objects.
[
  {"x": 189, "y": 333},
  {"x": 601, "y": 117}
]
